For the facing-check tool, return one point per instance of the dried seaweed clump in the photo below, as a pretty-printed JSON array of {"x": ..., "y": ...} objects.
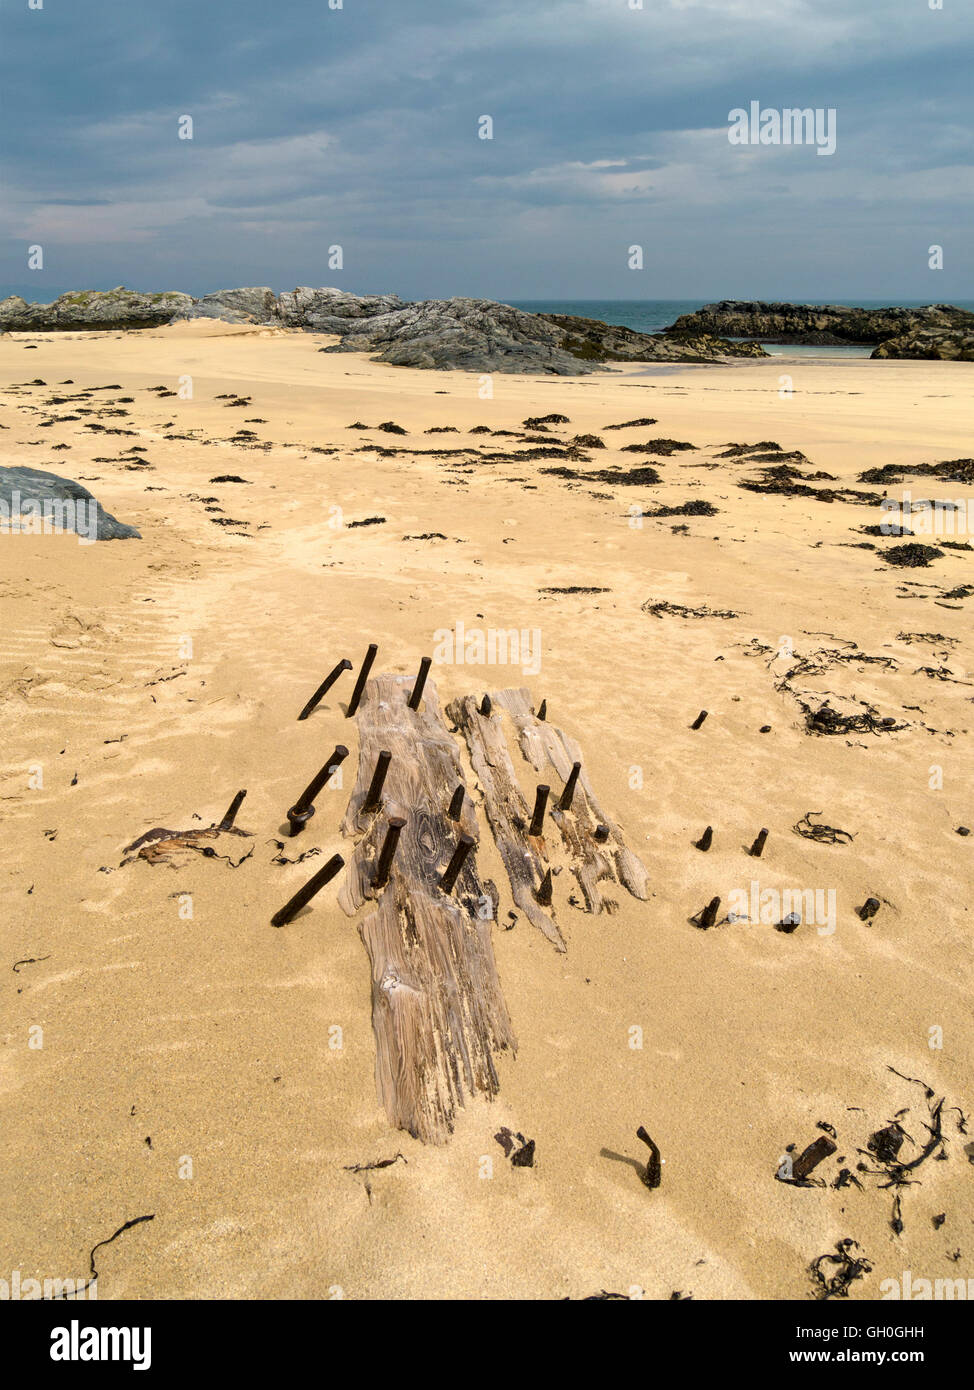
[{"x": 912, "y": 556}]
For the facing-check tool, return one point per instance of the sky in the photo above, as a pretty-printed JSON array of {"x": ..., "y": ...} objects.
[{"x": 359, "y": 126}]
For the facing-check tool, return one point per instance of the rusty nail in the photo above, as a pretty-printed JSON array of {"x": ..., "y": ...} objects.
[
  {"x": 374, "y": 794},
  {"x": 388, "y": 851},
  {"x": 601, "y": 833},
  {"x": 706, "y": 839},
  {"x": 699, "y": 719},
  {"x": 424, "y": 670},
  {"x": 303, "y": 809},
  {"x": 456, "y": 803},
  {"x": 485, "y": 706},
  {"x": 569, "y": 792},
  {"x": 305, "y": 894},
  {"x": 325, "y": 686},
  {"x": 464, "y": 845},
  {"x": 363, "y": 676},
  {"x": 709, "y": 915},
  {"x": 543, "y": 894},
  {"x": 542, "y": 711},
  {"x": 231, "y": 812},
  {"x": 757, "y": 849},
  {"x": 540, "y": 802}
]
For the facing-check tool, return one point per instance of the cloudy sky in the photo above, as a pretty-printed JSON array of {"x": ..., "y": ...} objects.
[{"x": 358, "y": 126}]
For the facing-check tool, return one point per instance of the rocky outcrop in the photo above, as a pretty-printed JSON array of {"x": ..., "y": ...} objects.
[
  {"x": 39, "y": 503},
  {"x": 476, "y": 335},
  {"x": 828, "y": 325},
  {"x": 93, "y": 309},
  {"x": 937, "y": 344},
  {"x": 607, "y": 342},
  {"x": 479, "y": 335}
]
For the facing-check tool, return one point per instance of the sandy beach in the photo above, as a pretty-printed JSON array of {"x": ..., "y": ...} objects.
[{"x": 199, "y": 1066}]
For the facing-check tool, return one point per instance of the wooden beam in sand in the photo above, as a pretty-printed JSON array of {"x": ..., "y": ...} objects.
[
  {"x": 525, "y": 856},
  {"x": 438, "y": 1011},
  {"x": 594, "y": 843}
]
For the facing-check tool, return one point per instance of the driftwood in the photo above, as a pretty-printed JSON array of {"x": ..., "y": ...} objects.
[
  {"x": 594, "y": 844},
  {"x": 438, "y": 1012},
  {"x": 525, "y": 856},
  {"x": 174, "y": 847}
]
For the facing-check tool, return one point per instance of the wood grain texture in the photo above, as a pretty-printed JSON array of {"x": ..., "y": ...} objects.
[
  {"x": 544, "y": 746},
  {"x": 525, "y": 856},
  {"x": 438, "y": 1011}
]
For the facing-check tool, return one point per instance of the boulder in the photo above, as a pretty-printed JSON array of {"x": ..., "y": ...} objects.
[
  {"x": 937, "y": 344},
  {"x": 49, "y": 503},
  {"x": 823, "y": 325},
  {"x": 93, "y": 309}
]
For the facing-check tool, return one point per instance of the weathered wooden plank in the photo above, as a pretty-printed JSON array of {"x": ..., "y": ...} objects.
[
  {"x": 542, "y": 744},
  {"x": 438, "y": 1011},
  {"x": 525, "y": 856}
]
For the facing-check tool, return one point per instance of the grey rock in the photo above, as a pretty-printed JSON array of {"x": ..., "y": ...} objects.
[
  {"x": 54, "y": 501},
  {"x": 476, "y": 335},
  {"x": 234, "y": 306},
  {"x": 606, "y": 342},
  {"x": 818, "y": 325},
  {"x": 926, "y": 344},
  {"x": 93, "y": 309}
]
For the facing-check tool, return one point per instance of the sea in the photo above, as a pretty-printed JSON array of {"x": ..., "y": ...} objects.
[{"x": 653, "y": 315}]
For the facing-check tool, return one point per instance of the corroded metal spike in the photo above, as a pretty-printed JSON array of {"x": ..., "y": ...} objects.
[
  {"x": 231, "y": 812},
  {"x": 706, "y": 839},
  {"x": 464, "y": 845},
  {"x": 699, "y": 719},
  {"x": 542, "y": 711},
  {"x": 374, "y": 794},
  {"x": 566, "y": 797},
  {"x": 325, "y": 686},
  {"x": 363, "y": 676},
  {"x": 709, "y": 915},
  {"x": 303, "y": 809},
  {"x": 424, "y": 670},
  {"x": 485, "y": 706},
  {"x": 601, "y": 833},
  {"x": 757, "y": 849},
  {"x": 456, "y": 803},
  {"x": 540, "y": 803},
  {"x": 305, "y": 894},
  {"x": 388, "y": 851},
  {"x": 543, "y": 894}
]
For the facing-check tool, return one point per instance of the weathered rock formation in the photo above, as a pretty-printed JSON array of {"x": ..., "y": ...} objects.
[
  {"x": 939, "y": 344},
  {"x": 38, "y": 503},
  {"x": 828, "y": 325},
  {"x": 476, "y": 335},
  {"x": 93, "y": 309}
]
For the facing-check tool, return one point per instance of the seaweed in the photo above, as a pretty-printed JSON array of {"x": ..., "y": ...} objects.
[
  {"x": 822, "y": 834},
  {"x": 657, "y": 607},
  {"x": 912, "y": 556},
  {"x": 848, "y": 1267}
]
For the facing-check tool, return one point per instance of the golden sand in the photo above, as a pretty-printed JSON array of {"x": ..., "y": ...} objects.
[{"x": 149, "y": 680}]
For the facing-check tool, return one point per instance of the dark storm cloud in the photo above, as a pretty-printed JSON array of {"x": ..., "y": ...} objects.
[{"x": 358, "y": 126}]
